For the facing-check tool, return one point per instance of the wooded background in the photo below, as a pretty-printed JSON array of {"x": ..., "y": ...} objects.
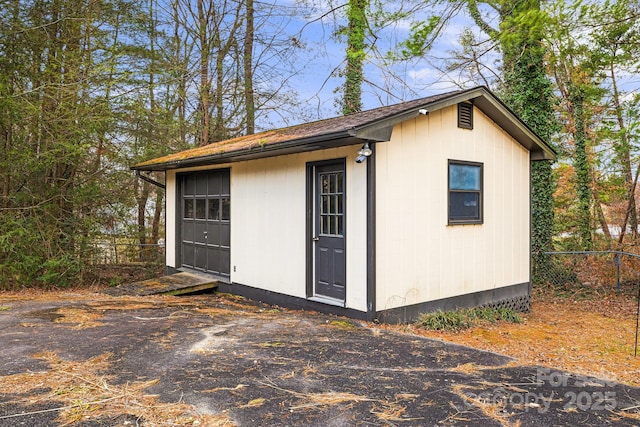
[{"x": 90, "y": 87}]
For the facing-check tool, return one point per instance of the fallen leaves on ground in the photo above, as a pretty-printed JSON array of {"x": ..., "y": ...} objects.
[
  {"x": 82, "y": 393},
  {"x": 592, "y": 337}
]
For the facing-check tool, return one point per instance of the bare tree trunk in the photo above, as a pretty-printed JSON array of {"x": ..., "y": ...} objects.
[
  {"x": 632, "y": 212},
  {"x": 248, "y": 69},
  {"x": 157, "y": 215},
  {"x": 205, "y": 85},
  {"x": 141, "y": 199}
]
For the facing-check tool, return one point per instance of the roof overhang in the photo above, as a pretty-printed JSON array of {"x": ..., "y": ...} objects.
[
  {"x": 488, "y": 103},
  {"x": 301, "y": 145},
  {"x": 497, "y": 111},
  {"x": 378, "y": 130}
]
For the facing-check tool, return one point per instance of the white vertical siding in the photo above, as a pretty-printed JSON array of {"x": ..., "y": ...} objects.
[
  {"x": 419, "y": 257},
  {"x": 268, "y": 223}
]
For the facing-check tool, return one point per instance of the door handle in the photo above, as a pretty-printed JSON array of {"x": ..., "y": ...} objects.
[
  {"x": 206, "y": 234},
  {"x": 316, "y": 239}
]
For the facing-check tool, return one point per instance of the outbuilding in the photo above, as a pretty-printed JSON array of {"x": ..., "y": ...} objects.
[{"x": 382, "y": 214}]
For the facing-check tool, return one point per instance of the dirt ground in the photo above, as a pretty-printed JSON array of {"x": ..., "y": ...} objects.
[
  {"x": 88, "y": 359},
  {"x": 590, "y": 334}
]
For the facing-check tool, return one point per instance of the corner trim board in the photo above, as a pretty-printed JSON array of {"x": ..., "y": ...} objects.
[{"x": 371, "y": 234}]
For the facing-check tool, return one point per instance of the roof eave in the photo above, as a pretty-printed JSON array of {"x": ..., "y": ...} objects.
[
  {"x": 497, "y": 111},
  {"x": 317, "y": 142},
  {"x": 379, "y": 130}
]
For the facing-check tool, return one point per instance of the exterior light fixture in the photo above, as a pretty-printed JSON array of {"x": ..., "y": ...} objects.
[{"x": 363, "y": 153}]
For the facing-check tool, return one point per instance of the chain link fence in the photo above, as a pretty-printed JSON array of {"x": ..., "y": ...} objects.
[
  {"x": 121, "y": 251},
  {"x": 593, "y": 271},
  {"x": 591, "y": 274},
  {"x": 116, "y": 260}
]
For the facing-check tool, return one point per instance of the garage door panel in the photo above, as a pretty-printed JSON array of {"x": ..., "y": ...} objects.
[
  {"x": 188, "y": 254},
  {"x": 214, "y": 233},
  {"x": 187, "y": 231},
  {"x": 205, "y": 220},
  {"x": 215, "y": 182},
  {"x": 200, "y": 257},
  {"x": 225, "y": 234},
  {"x": 225, "y": 261},
  {"x": 200, "y": 233},
  {"x": 189, "y": 185},
  {"x": 201, "y": 184}
]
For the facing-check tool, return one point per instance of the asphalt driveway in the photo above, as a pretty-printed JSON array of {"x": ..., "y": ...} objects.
[{"x": 97, "y": 360}]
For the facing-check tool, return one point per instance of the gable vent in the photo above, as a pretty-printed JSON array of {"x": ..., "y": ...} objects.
[{"x": 465, "y": 115}]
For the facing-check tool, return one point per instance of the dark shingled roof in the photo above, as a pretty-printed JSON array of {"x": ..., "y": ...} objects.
[{"x": 370, "y": 125}]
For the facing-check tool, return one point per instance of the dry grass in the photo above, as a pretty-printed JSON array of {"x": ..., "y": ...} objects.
[
  {"x": 467, "y": 368},
  {"x": 83, "y": 393},
  {"x": 81, "y": 318},
  {"x": 311, "y": 400},
  {"x": 592, "y": 337},
  {"x": 494, "y": 410},
  {"x": 385, "y": 411},
  {"x": 589, "y": 337}
]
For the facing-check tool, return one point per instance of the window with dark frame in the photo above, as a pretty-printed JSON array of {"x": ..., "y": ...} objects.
[{"x": 465, "y": 192}]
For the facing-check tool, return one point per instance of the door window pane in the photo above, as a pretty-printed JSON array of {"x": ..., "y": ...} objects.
[
  {"x": 324, "y": 183},
  {"x": 226, "y": 209},
  {"x": 201, "y": 208},
  {"x": 324, "y": 208},
  {"x": 214, "y": 209},
  {"x": 188, "y": 208},
  {"x": 331, "y": 203},
  {"x": 324, "y": 224}
]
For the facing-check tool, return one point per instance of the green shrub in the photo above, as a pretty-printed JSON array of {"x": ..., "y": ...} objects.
[
  {"x": 445, "y": 320},
  {"x": 460, "y": 319},
  {"x": 29, "y": 258},
  {"x": 508, "y": 315}
]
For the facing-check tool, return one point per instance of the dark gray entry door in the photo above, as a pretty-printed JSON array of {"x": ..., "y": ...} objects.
[
  {"x": 329, "y": 217},
  {"x": 206, "y": 221}
]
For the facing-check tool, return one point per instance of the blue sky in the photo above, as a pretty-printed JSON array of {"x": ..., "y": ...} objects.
[
  {"x": 322, "y": 55},
  {"x": 402, "y": 81}
]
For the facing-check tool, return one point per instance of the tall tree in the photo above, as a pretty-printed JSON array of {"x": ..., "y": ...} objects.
[
  {"x": 591, "y": 45},
  {"x": 617, "y": 50},
  {"x": 528, "y": 91},
  {"x": 355, "y": 30},
  {"x": 524, "y": 87},
  {"x": 57, "y": 101},
  {"x": 575, "y": 76},
  {"x": 247, "y": 66}
]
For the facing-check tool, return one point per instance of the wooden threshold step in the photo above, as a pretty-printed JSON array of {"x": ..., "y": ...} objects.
[{"x": 173, "y": 284}]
